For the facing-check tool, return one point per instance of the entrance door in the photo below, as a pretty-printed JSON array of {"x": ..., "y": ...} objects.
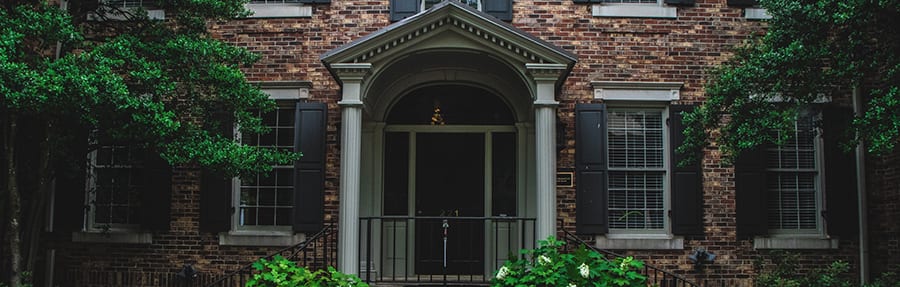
[{"x": 450, "y": 183}]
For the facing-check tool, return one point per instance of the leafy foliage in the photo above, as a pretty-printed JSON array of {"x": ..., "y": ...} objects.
[
  {"x": 812, "y": 50},
  {"x": 547, "y": 266},
  {"x": 782, "y": 272},
  {"x": 282, "y": 272}
]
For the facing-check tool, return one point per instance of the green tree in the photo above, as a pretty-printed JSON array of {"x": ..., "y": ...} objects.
[
  {"x": 68, "y": 72},
  {"x": 811, "y": 49}
]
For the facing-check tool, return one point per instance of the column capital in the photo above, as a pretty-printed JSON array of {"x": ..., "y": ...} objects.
[
  {"x": 351, "y": 72},
  {"x": 546, "y": 72}
]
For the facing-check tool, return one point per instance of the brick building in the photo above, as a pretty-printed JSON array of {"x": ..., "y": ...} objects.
[{"x": 513, "y": 120}]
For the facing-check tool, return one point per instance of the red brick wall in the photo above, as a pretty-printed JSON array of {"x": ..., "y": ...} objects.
[{"x": 608, "y": 49}]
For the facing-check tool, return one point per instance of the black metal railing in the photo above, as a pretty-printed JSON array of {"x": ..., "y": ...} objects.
[
  {"x": 655, "y": 276},
  {"x": 433, "y": 250},
  {"x": 316, "y": 252}
]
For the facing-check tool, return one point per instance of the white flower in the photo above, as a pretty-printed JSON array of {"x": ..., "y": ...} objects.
[
  {"x": 572, "y": 285},
  {"x": 502, "y": 272},
  {"x": 543, "y": 259},
  {"x": 584, "y": 270}
]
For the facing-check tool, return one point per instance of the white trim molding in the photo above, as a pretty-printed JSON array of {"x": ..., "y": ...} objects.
[
  {"x": 635, "y": 242},
  {"x": 634, "y": 11},
  {"x": 757, "y": 14},
  {"x": 794, "y": 243},
  {"x": 287, "y": 90},
  {"x": 279, "y": 10},
  {"x": 113, "y": 237},
  {"x": 637, "y": 91},
  {"x": 260, "y": 238}
]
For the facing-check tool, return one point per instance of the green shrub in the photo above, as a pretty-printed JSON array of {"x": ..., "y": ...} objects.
[
  {"x": 280, "y": 272},
  {"x": 547, "y": 266}
]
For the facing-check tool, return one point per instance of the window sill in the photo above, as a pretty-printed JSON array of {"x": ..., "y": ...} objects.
[
  {"x": 634, "y": 11},
  {"x": 639, "y": 241},
  {"x": 127, "y": 237},
  {"x": 756, "y": 14},
  {"x": 260, "y": 238},
  {"x": 794, "y": 243},
  {"x": 288, "y": 10}
]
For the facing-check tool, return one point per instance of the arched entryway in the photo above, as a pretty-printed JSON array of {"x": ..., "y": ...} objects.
[
  {"x": 447, "y": 160},
  {"x": 495, "y": 86}
]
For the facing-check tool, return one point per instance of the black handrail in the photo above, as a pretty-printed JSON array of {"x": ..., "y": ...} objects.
[
  {"x": 654, "y": 274},
  {"x": 321, "y": 254},
  {"x": 395, "y": 264}
]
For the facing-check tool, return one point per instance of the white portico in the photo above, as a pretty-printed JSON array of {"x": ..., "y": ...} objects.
[{"x": 448, "y": 80}]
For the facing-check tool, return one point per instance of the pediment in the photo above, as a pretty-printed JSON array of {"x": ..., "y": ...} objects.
[{"x": 450, "y": 20}]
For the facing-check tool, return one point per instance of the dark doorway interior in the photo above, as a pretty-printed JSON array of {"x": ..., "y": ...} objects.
[{"x": 450, "y": 183}]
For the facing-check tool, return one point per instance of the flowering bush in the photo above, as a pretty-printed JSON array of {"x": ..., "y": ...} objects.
[{"x": 547, "y": 266}]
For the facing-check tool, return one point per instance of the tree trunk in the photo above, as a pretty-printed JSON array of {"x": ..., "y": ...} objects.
[{"x": 15, "y": 203}]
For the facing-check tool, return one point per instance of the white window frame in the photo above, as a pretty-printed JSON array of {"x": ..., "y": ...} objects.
[
  {"x": 278, "y": 9},
  {"x": 97, "y": 233},
  {"x": 90, "y": 196},
  {"x": 275, "y": 235},
  {"x": 635, "y": 10},
  {"x": 666, "y": 230},
  {"x": 236, "y": 195},
  {"x": 819, "y": 181}
]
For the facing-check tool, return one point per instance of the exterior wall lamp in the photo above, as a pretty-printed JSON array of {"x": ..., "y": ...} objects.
[{"x": 701, "y": 256}]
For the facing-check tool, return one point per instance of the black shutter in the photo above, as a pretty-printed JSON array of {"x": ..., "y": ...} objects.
[
  {"x": 687, "y": 184},
  {"x": 403, "y": 8},
  {"x": 742, "y": 3},
  {"x": 215, "y": 188},
  {"x": 680, "y": 2},
  {"x": 750, "y": 193},
  {"x": 591, "y": 169},
  {"x": 309, "y": 171},
  {"x": 71, "y": 186},
  {"x": 841, "y": 210},
  {"x": 157, "y": 194},
  {"x": 502, "y": 9}
]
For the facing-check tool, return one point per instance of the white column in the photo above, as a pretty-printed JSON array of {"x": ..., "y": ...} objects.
[
  {"x": 351, "y": 77},
  {"x": 545, "y": 77}
]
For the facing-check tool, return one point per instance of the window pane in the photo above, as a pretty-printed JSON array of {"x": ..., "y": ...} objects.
[
  {"x": 267, "y": 199},
  {"x": 115, "y": 193},
  {"x": 636, "y": 200},
  {"x": 635, "y": 139},
  {"x": 792, "y": 177}
]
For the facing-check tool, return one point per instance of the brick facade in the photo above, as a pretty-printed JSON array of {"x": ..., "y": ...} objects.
[{"x": 608, "y": 49}]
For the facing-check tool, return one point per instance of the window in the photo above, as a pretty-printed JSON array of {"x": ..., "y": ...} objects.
[
  {"x": 637, "y": 169},
  {"x": 124, "y": 9},
  {"x": 267, "y": 200},
  {"x": 501, "y": 9},
  {"x": 793, "y": 181},
  {"x": 113, "y": 188}
]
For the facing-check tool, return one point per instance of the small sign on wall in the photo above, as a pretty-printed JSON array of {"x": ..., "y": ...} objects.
[{"x": 565, "y": 178}]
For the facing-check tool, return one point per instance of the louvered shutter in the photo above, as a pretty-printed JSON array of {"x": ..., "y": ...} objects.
[
  {"x": 309, "y": 170},
  {"x": 157, "y": 193},
  {"x": 687, "y": 184},
  {"x": 742, "y": 3},
  {"x": 591, "y": 169},
  {"x": 750, "y": 193},
  {"x": 841, "y": 215},
  {"x": 401, "y": 9},
  {"x": 215, "y": 188},
  {"x": 502, "y": 9}
]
